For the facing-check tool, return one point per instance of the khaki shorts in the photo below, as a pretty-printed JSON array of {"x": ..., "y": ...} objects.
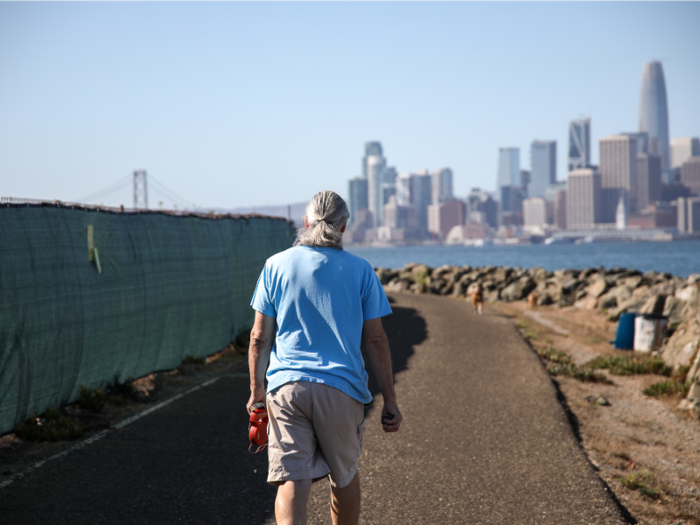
[{"x": 315, "y": 430}]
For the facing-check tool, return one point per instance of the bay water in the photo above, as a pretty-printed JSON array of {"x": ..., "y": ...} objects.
[{"x": 677, "y": 258}]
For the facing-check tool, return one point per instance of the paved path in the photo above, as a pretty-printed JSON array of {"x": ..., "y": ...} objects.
[{"x": 484, "y": 441}]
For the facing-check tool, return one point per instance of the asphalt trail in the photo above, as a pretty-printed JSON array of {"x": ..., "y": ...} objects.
[{"x": 484, "y": 441}]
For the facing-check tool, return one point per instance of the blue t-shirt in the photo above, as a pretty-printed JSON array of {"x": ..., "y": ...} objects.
[{"x": 320, "y": 298}]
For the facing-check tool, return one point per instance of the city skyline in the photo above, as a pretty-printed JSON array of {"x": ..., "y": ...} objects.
[{"x": 212, "y": 99}]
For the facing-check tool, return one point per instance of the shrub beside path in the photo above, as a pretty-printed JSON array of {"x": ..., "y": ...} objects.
[{"x": 484, "y": 440}]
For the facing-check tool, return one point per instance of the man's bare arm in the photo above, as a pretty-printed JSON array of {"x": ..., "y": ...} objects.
[
  {"x": 376, "y": 344},
  {"x": 261, "y": 337}
]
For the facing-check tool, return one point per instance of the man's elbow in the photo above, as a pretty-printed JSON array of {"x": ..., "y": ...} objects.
[
  {"x": 376, "y": 341},
  {"x": 259, "y": 340}
]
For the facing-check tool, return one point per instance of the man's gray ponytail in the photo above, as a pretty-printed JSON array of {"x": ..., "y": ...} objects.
[{"x": 326, "y": 214}]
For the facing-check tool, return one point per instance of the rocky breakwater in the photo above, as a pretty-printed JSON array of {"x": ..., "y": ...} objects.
[{"x": 611, "y": 292}]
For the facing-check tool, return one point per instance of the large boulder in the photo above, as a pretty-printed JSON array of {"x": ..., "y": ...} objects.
[
  {"x": 683, "y": 344},
  {"x": 435, "y": 286},
  {"x": 631, "y": 282},
  {"x": 664, "y": 287},
  {"x": 539, "y": 274},
  {"x": 654, "y": 305},
  {"x": 691, "y": 296},
  {"x": 570, "y": 286},
  {"x": 460, "y": 288},
  {"x": 419, "y": 287},
  {"x": 687, "y": 293},
  {"x": 587, "y": 303},
  {"x": 398, "y": 285},
  {"x": 519, "y": 289},
  {"x": 421, "y": 269},
  {"x": 598, "y": 287},
  {"x": 614, "y": 297},
  {"x": 456, "y": 274},
  {"x": 553, "y": 289},
  {"x": 544, "y": 299},
  {"x": 585, "y": 274},
  {"x": 673, "y": 308},
  {"x": 409, "y": 266},
  {"x": 385, "y": 275},
  {"x": 440, "y": 272},
  {"x": 492, "y": 296},
  {"x": 502, "y": 274}
]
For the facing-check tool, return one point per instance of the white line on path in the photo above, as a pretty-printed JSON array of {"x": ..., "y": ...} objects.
[{"x": 103, "y": 433}]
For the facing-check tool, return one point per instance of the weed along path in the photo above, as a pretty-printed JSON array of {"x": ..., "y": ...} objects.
[{"x": 484, "y": 441}]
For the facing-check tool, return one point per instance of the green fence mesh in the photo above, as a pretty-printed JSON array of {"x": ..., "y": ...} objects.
[{"x": 158, "y": 287}]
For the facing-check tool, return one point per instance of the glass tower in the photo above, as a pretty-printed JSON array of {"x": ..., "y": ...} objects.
[
  {"x": 653, "y": 112},
  {"x": 508, "y": 167},
  {"x": 357, "y": 191},
  {"x": 543, "y": 158},
  {"x": 579, "y": 144}
]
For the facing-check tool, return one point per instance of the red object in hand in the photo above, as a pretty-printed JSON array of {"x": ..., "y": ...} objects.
[{"x": 257, "y": 427}]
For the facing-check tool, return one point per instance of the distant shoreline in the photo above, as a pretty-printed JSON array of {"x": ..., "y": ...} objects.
[{"x": 680, "y": 258}]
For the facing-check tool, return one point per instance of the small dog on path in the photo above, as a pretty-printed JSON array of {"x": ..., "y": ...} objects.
[
  {"x": 478, "y": 299},
  {"x": 532, "y": 300}
]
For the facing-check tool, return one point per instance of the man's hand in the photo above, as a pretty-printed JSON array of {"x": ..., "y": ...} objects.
[
  {"x": 258, "y": 396},
  {"x": 391, "y": 417}
]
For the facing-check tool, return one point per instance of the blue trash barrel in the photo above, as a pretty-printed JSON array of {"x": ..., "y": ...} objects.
[{"x": 624, "y": 336}]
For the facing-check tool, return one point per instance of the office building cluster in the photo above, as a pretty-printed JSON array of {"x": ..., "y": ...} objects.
[
  {"x": 644, "y": 180},
  {"x": 391, "y": 207}
]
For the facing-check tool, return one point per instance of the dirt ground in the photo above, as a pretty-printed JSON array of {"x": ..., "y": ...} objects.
[{"x": 643, "y": 441}]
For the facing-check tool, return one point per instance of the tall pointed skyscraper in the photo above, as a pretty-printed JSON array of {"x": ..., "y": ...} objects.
[
  {"x": 653, "y": 113},
  {"x": 579, "y": 143}
]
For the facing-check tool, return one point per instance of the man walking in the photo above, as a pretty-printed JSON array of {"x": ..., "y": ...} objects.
[{"x": 315, "y": 306}]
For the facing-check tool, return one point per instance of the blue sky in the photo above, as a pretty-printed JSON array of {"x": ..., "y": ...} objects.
[{"x": 238, "y": 104}]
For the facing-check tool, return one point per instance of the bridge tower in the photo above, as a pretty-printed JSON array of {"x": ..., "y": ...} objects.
[{"x": 140, "y": 190}]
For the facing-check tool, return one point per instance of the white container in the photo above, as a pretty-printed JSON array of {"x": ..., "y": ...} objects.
[{"x": 649, "y": 332}]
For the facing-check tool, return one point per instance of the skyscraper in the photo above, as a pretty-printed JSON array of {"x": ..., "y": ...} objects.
[
  {"x": 508, "y": 167},
  {"x": 536, "y": 213},
  {"x": 375, "y": 187},
  {"x": 582, "y": 198},
  {"x": 543, "y": 159},
  {"x": 404, "y": 189},
  {"x": 357, "y": 196},
  {"x": 618, "y": 174},
  {"x": 690, "y": 175},
  {"x": 642, "y": 141},
  {"x": 442, "y": 185},
  {"x": 388, "y": 185},
  {"x": 579, "y": 143},
  {"x": 421, "y": 196},
  {"x": 648, "y": 180},
  {"x": 682, "y": 149},
  {"x": 508, "y": 176},
  {"x": 653, "y": 113},
  {"x": 481, "y": 208},
  {"x": 372, "y": 148}
]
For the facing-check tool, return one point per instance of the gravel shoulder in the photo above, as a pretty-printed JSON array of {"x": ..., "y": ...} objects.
[{"x": 636, "y": 436}]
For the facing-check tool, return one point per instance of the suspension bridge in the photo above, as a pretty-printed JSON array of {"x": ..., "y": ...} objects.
[{"x": 143, "y": 184}]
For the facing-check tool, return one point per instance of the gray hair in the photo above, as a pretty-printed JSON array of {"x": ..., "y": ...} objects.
[{"x": 326, "y": 214}]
